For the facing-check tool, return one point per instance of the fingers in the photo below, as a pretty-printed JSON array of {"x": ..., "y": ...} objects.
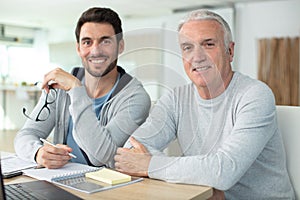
[
  {"x": 134, "y": 142},
  {"x": 64, "y": 147},
  {"x": 121, "y": 164},
  {"x": 47, "y": 79},
  {"x": 60, "y": 79},
  {"x": 52, "y": 157},
  {"x": 137, "y": 146},
  {"x": 58, "y": 149},
  {"x": 121, "y": 153},
  {"x": 131, "y": 162}
]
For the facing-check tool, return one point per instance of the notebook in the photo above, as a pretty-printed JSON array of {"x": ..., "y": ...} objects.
[
  {"x": 32, "y": 190},
  {"x": 72, "y": 175}
]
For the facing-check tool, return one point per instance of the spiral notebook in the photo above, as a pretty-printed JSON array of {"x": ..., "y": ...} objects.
[{"x": 72, "y": 175}]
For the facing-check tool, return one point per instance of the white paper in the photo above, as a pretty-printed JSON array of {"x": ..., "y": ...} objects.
[
  {"x": 11, "y": 163},
  {"x": 69, "y": 169}
]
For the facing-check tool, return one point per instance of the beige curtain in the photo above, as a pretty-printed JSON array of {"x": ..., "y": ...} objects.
[{"x": 278, "y": 67}]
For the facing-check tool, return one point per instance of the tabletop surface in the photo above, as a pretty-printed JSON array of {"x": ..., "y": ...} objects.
[{"x": 146, "y": 189}]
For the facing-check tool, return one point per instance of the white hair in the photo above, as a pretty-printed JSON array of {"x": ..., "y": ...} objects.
[{"x": 209, "y": 15}]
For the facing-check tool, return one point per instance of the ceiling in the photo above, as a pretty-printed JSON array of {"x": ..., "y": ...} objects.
[{"x": 64, "y": 13}]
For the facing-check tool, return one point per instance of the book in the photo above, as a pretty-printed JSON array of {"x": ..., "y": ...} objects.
[
  {"x": 72, "y": 175},
  {"x": 109, "y": 176}
]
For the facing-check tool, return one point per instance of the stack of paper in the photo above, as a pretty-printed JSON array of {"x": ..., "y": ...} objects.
[
  {"x": 12, "y": 163},
  {"x": 109, "y": 176}
]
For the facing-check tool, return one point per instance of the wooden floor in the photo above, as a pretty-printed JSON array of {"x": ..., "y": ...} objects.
[{"x": 6, "y": 140}]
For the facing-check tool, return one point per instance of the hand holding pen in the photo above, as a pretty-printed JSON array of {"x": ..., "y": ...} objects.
[
  {"x": 47, "y": 142},
  {"x": 53, "y": 156}
]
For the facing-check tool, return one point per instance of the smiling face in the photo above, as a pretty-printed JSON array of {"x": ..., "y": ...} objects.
[
  {"x": 205, "y": 57},
  {"x": 98, "y": 48}
]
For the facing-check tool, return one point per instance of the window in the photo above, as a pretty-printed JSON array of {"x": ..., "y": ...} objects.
[{"x": 21, "y": 64}]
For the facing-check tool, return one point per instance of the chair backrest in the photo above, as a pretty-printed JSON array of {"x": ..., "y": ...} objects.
[{"x": 289, "y": 125}]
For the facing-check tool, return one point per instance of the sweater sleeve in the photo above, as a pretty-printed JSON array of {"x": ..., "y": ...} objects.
[
  {"x": 255, "y": 124},
  {"x": 100, "y": 139},
  {"x": 27, "y": 141},
  {"x": 159, "y": 128}
]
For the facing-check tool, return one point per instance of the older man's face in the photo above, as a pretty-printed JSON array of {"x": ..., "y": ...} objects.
[{"x": 205, "y": 59}]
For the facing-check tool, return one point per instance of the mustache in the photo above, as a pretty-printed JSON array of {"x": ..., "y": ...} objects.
[{"x": 97, "y": 56}]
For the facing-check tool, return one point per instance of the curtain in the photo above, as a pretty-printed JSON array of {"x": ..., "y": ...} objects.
[{"x": 278, "y": 67}]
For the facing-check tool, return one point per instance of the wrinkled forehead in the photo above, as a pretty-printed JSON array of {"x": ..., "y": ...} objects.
[{"x": 197, "y": 29}]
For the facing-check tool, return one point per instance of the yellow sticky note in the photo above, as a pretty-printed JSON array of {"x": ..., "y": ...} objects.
[{"x": 109, "y": 176}]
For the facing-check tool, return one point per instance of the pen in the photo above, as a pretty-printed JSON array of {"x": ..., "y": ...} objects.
[{"x": 47, "y": 142}]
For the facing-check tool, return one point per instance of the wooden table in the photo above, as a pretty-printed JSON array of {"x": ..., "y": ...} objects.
[{"x": 148, "y": 189}]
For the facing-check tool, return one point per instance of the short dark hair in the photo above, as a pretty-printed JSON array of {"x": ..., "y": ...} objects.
[{"x": 100, "y": 15}]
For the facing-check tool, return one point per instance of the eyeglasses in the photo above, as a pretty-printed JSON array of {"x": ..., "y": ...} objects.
[{"x": 44, "y": 113}]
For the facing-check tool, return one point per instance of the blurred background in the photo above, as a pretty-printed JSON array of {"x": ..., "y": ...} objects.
[{"x": 37, "y": 36}]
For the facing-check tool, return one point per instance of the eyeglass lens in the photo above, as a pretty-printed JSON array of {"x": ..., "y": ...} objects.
[{"x": 44, "y": 113}]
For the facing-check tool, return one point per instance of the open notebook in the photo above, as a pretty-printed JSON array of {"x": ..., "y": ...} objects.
[{"x": 72, "y": 175}]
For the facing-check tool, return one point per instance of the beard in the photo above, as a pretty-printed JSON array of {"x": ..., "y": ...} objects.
[{"x": 110, "y": 67}]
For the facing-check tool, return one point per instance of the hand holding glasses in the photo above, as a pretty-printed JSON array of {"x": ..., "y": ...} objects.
[{"x": 44, "y": 113}]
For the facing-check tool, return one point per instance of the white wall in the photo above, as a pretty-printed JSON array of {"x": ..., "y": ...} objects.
[
  {"x": 253, "y": 21},
  {"x": 260, "y": 20},
  {"x": 163, "y": 64}
]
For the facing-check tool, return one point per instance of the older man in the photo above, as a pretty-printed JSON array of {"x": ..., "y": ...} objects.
[{"x": 225, "y": 123}]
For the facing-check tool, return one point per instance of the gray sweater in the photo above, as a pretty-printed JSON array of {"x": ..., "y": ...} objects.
[
  {"x": 231, "y": 142},
  {"x": 127, "y": 108}
]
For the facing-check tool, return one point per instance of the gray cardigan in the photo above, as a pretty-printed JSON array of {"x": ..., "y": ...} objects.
[{"x": 127, "y": 108}]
